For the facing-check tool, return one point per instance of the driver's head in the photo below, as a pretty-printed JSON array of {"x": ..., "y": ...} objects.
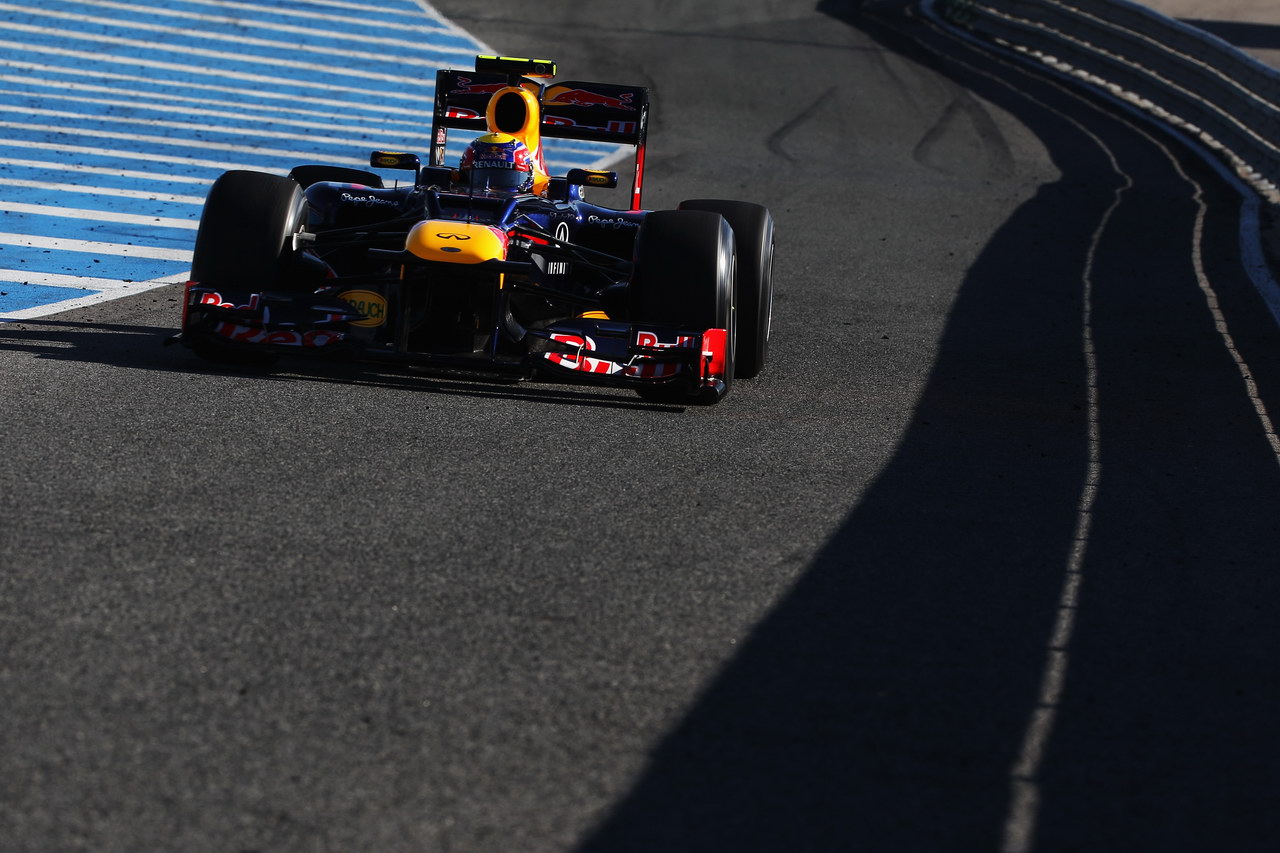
[{"x": 498, "y": 162}]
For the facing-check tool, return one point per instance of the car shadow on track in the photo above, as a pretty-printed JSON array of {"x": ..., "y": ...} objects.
[
  {"x": 884, "y": 702},
  {"x": 141, "y": 348}
]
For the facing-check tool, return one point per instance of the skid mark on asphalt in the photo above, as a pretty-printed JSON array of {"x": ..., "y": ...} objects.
[
  {"x": 930, "y": 151},
  {"x": 779, "y": 136}
]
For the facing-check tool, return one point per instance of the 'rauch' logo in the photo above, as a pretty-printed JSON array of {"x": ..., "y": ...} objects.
[{"x": 372, "y": 305}]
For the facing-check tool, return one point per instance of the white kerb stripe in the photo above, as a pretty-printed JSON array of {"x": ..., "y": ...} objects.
[
  {"x": 115, "y": 192},
  {"x": 119, "y": 249},
  {"x": 98, "y": 215},
  {"x": 80, "y": 282},
  {"x": 101, "y": 170}
]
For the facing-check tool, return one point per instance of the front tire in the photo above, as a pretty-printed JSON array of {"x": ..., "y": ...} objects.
[
  {"x": 684, "y": 274},
  {"x": 753, "y": 235},
  {"x": 245, "y": 242},
  {"x": 245, "y": 232}
]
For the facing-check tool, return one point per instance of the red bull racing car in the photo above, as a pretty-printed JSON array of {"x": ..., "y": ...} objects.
[{"x": 495, "y": 267}]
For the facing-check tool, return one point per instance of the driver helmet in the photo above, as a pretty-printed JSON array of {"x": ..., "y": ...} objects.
[{"x": 498, "y": 161}]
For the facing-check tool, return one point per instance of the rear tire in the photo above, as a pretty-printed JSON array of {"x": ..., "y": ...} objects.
[
  {"x": 684, "y": 273},
  {"x": 753, "y": 286}
]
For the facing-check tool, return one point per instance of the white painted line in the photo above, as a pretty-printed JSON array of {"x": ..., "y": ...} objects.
[
  {"x": 1022, "y": 809},
  {"x": 80, "y": 213},
  {"x": 1254, "y": 260},
  {"x": 239, "y": 39},
  {"x": 1205, "y": 67},
  {"x": 92, "y": 299},
  {"x": 292, "y": 98},
  {"x": 114, "y": 192},
  {"x": 91, "y": 247},
  {"x": 1215, "y": 309},
  {"x": 1253, "y": 257},
  {"x": 79, "y": 282},
  {"x": 1024, "y": 786},
  {"x": 1208, "y": 104},
  {"x": 158, "y": 47}
]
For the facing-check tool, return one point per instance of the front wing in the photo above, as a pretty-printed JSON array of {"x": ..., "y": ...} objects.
[{"x": 362, "y": 323}]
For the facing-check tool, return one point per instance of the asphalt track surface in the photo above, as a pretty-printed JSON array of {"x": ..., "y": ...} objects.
[{"x": 985, "y": 560}]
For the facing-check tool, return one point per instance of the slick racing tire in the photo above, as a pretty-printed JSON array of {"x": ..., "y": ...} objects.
[
  {"x": 244, "y": 233},
  {"x": 245, "y": 241},
  {"x": 753, "y": 235},
  {"x": 684, "y": 273}
]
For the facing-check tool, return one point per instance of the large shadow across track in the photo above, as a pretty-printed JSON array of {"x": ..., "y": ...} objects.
[{"x": 882, "y": 705}]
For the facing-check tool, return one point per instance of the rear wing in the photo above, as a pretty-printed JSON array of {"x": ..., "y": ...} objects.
[{"x": 572, "y": 109}]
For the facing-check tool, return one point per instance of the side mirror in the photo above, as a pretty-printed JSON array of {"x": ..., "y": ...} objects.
[
  {"x": 396, "y": 160},
  {"x": 592, "y": 178}
]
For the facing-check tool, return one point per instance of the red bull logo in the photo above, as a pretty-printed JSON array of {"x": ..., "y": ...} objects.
[
  {"x": 462, "y": 112},
  {"x": 469, "y": 88},
  {"x": 578, "y": 360},
  {"x": 565, "y": 97},
  {"x": 623, "y": 127},
  {"x": 372, "y": 305}
]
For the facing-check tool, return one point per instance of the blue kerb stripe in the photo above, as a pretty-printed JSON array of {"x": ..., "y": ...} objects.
[
  {"x": 398, "y": 16},
  {"x": 333, "y": 108},
  {"x": 117, "y": 233},
  {"x": 23, "y": 96},
  {"x": 18, "y": 296},
  {"x": 146, "y": 83},
  {"x": 91, "y": 265}
]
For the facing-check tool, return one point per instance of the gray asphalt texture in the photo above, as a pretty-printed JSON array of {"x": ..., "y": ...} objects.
[{"x": 331, "y": 608}]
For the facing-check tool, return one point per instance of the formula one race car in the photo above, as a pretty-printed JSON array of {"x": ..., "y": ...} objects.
[{"x": 495, "y": 268}]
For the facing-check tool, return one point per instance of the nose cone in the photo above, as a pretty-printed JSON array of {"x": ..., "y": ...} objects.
[{"x": 456, "y": 242}]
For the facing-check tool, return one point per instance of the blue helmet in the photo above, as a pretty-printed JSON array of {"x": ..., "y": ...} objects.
[{"x": 498, "y": 161}]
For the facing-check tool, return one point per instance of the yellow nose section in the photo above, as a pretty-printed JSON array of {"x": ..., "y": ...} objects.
[{"x": 456, "y": 242}]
